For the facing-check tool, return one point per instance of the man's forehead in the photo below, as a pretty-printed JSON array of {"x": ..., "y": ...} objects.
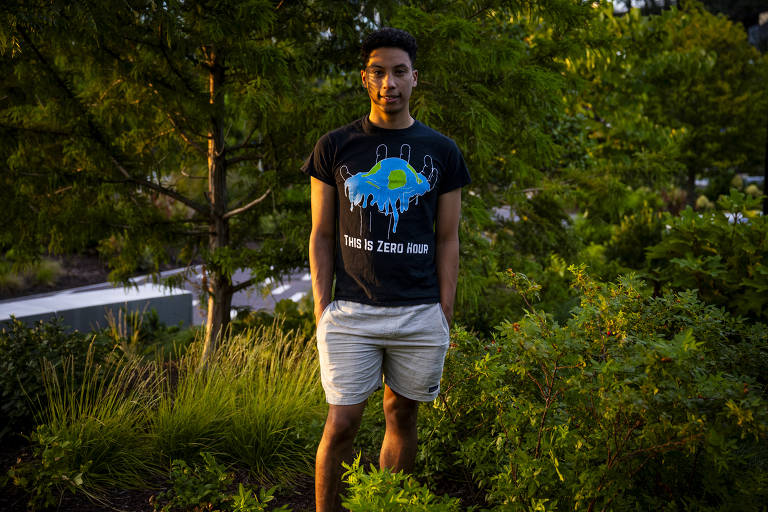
[{"x": 389, "y": 57}]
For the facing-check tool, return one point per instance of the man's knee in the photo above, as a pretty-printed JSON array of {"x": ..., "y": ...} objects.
[
  {"x": 399, "y": 410},
  {"x": 342, "y": 423}
]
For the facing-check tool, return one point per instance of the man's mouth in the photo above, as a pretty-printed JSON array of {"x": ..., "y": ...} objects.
[{"x": 390, "y": 99}]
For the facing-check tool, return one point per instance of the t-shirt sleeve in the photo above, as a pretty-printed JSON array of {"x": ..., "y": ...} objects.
[
  {"x": 456, "y": 174},
  {"x": 319, "y": 163}
]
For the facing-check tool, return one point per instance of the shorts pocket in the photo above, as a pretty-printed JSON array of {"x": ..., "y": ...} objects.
[
  {"x": 325, "y": 312},
  {"x": 443, "y": 319}
]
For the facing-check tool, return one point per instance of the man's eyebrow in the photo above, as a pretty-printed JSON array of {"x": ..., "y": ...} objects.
[{"x": 396, "y": 66}]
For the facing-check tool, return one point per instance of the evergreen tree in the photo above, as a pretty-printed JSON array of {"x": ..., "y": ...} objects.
[
  {"x": 173, "y": 131},
  {"x": 675, "y": 96},
  {"x": 161, "y": 131}
]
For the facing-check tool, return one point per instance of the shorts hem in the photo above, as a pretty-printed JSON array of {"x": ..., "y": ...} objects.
[
  {"x": 353, "y": 400},
  {"x": 411, "y": 396}
]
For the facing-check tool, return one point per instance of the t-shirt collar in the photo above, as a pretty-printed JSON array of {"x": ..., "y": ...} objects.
[{"x": 371, "y": 129}]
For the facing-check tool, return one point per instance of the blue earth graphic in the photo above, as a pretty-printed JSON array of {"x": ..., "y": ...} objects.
[{"x": 390, "y": 185}]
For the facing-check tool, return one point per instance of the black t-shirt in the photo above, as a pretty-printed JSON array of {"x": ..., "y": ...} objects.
[{"x": 387, "y": 184}]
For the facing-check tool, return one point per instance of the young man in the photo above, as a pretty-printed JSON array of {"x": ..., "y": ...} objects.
[{"x": 386, "y": 198}]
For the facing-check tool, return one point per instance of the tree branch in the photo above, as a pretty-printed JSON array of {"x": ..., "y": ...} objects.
[
  {"x": 184, "y": 136},
  {"x": 250, "y": 205},
  {"x": 246, "y": 142},
  {"x": 172, "y": 67},
  {"x": 198, "y": 207},
  {"x": 245, "y": 284},
  {"x": 185, "y": 173},
  {"x": 99, "y": 137},
  {"x": 43, "y": 131}
]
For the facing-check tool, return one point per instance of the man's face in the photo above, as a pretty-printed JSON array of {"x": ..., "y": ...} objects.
[{"x": 389, "y": 78}]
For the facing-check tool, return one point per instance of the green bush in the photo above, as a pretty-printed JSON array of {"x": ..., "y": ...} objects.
[
  {"x": 22, "y": 352},
  {"x": 629, "y": 239},
  {"x": 635, "y": 402},
  {"x": 53, "y": 470},
  {"x": 726, "y": 260},
  {"x": 206, "y": 487},
  {"x": 542, "y": 228},
  {"x": 380, "y": 490},
  {"x": 484, "y": 301},
  {"x": 199, "y": 486}
]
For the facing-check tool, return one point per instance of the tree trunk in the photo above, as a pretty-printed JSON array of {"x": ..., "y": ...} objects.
[{"x": 218, "y": 279}]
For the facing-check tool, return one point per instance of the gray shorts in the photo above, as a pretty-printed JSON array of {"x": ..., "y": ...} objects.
[{"x": 358, "y": 343}]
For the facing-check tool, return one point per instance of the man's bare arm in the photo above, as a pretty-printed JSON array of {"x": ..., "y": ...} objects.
[
  {"x": 321, "y": 243},
  {"x": 447, "y": 248}
]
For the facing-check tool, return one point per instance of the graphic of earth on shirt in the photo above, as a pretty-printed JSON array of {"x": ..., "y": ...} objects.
[{"x": 390, "y": 185}]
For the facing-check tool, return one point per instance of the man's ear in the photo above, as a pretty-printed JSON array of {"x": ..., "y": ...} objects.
[
  {"x": 415, "y": 77},
  {"x": 362, "y": 76}
]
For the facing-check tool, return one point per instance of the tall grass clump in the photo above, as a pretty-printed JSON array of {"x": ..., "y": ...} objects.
[
  {"x": 257, "y": 402},
  {"x": 92, "y": 432},
  {"x": 279, "y": 401},
  {"x": 44, "y": 272},
  {"x": 193, "y": 411}
]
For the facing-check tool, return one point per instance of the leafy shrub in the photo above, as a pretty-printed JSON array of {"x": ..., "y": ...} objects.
[
  {"x": 723, "y": 254},
  {"x": 635, "y": 402},
  {"x": 205, "y": 487},
  {"x": 201, "y": 486},
  {"x": 636, "y": 231},
  {"x": 542, "y": 227},
  {"x": 484, "y": 301},
  {"x": 380, "y": 490},
  {"x": 22, "y": 352},
  {"x": 610, "y": 249},
  {"x": 54, "y": 470}
]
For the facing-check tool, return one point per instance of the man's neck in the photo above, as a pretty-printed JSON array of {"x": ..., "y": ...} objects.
[{"x": 391, "y": 122}]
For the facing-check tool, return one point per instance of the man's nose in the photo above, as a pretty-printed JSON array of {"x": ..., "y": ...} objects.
[{"x": 388, "y": 80}]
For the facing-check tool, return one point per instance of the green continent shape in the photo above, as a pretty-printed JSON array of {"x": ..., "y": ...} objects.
[
  {"x": 415, "y": 174},
  {"x": 373, "y": 170},
  {"x": 397, "y": 179}
]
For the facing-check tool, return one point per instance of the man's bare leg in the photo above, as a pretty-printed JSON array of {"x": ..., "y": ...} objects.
[
  {"x": 398, "y": 451},
  {"x": 335, "y": 446}
]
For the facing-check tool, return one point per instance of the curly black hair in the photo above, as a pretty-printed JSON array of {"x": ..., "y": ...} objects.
[{"x": 388, "y": 37}]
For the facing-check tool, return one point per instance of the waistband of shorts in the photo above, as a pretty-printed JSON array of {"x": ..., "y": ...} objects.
[{"x": 389, "y": 309}]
